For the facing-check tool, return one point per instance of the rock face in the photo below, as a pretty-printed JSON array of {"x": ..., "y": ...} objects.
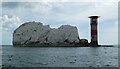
[{"x": 37, "y": 33}]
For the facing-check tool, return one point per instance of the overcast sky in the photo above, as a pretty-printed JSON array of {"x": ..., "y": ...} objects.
[{"x": 61, "y": 13}]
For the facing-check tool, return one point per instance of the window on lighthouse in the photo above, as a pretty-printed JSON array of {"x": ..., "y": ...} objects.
[{"x": 94, "y": 20}]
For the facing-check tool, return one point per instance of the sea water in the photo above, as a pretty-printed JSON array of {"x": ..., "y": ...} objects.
[{"x": 59, "y": 56}]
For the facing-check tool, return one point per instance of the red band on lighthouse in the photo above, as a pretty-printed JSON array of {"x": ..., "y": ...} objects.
[
  {"x": 93, "y": 23},
  {"x": 94, "y": 32}
]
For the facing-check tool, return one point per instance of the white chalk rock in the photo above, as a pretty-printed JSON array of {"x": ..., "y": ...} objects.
[{"x": 37, "y": 33}]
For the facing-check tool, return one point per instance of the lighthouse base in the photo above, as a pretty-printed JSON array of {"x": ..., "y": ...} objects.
[{"x": 94, "y": 44}]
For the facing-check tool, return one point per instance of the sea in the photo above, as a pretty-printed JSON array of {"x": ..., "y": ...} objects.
[{"x": 58, "y": 56}]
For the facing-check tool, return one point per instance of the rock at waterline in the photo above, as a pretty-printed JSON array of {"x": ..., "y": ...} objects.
[{"x": 36, "y": 33}]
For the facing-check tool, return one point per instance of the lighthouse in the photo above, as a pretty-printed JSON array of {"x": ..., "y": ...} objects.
[{"x": 94, "y": 32}]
